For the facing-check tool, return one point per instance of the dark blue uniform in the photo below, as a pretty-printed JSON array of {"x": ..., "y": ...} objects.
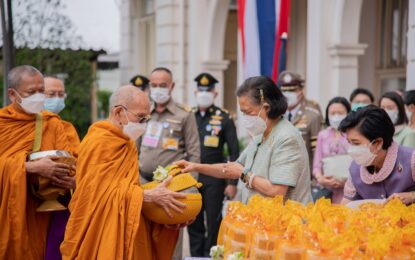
[{"x": 216, "y": 127}]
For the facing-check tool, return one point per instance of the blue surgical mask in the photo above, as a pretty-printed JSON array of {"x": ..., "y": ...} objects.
[
  {"x": 54, "y": 105},
  {"x": 356, "y": 106}
]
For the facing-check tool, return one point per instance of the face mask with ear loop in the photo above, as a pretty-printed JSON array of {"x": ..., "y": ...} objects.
[{"x": 255, "y": 125}]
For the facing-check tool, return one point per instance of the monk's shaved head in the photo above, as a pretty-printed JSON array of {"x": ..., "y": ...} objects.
[
  {"x": 124, "y": 96},
  {"x": 131, "y": 99},
  {"x": 15, "y": 75}
]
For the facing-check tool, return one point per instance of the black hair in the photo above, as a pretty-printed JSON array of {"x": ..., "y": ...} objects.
[
  {"x": 409, "y": 97},
  {"x": 372, "y": 122},
  {"x": 397, "y": 99},
  {"x": 337, "y": 100},
  {"x": 162, "y": 69},
  {"x": 363, "y": 91},
  {"x": 271, "y": 94}
]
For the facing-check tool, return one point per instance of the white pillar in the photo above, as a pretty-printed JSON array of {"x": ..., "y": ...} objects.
[
  {"x": 126, "y": 40},
  {"x": 345, "y": 68},
  {"x": 410, "y": 69}
]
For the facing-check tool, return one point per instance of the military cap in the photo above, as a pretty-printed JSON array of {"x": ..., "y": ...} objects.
[
  {"x": 140, "y": 82},
  {"x": 290, "y": 81},
  {"x": 205, "y": 81}
]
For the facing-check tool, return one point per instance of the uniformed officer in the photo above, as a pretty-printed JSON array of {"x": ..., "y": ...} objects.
[
  {"x": 216, "y": 128},
  {"x": 304, "y": 114},
  {"x": 171, "y": 133},
  {"x": 141, "y": 82}
]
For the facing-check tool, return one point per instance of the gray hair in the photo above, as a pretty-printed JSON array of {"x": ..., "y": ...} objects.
[
  {"x": 16, "y": 74},
  {"x": 123, "y": 96}
]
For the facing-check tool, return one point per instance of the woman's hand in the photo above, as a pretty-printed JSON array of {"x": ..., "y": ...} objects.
[
  {"x": 330, "y": 182},
  {"x": 406, "y": 197},
  {"x": 232, "y": 170},
  {"x": 186, "y": 166}
]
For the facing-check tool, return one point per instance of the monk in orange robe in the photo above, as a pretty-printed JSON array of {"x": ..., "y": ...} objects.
[
  {"x": 106, "y": 220},
  {"x": 23, "y": 230}
]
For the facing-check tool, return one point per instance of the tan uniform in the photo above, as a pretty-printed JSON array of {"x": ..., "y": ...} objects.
[
  {"x": 308, "y": 120},
  {"x": 170, "y": 136}
]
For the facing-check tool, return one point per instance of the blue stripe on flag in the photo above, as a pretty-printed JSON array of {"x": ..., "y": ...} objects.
[{"x": 266, "y": 31}]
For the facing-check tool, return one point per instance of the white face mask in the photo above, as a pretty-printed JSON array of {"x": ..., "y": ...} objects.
[
  {"x": 160, "y": 95},
  {"x": 204, "y": 99},
  {"x": 361, "y": 154},
  {"x": 408, "y": 115},
  {"x": 393, "y": 115},
  {"x": 335, "y": 120},
  {"x": 291, "y": 97},
  {"x": 255, "y": 125},
  {"x": 32, "y": 104},
  {"x": 134, "y": 130}
]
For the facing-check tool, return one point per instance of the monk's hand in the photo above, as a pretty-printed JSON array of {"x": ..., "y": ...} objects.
[
  {"x": 406, "y": 197},
  {"x": 66, "y": 182},
  {"x": 165, "y": 198},
  {"x": 179, "y": 226},
  {"x": 47, "y": 168},
  {"x": 186, "y": 166},
  {"x": 232, "y": 170}
]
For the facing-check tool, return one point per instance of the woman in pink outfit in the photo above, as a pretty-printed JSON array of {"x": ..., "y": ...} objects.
[{"x": 330, "y": 143}]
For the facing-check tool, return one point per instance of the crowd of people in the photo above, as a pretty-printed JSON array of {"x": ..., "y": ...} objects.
[{"x": 357, "y": 150}]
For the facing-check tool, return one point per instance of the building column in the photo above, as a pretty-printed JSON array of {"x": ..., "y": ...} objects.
[
  {"x": 217, "y": 68},
  {"x": 410, "y": 69},
  {"x": 345, "y": 68},
  {"x": 126, "y": 46}
]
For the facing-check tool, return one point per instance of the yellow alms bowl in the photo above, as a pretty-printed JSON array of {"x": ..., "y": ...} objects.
[
  {"x": 181, "y": 182},
  {"x": 156, "y": 214}
]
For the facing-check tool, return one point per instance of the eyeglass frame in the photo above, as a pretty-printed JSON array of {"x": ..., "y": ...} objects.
[{"x": 141, "y": 119}]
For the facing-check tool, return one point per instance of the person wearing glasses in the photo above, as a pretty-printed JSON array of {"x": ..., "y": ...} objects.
[
  {"x": 276, "y": 160},
  {"x": 55, "y": 102},
  {"x": 171, "y": 135}
]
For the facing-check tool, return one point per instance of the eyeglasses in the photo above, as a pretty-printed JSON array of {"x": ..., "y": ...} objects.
[
  {"x": 55, "y": 94},
  {"x": 140, "y": 119},
  {"x": 162, "y": 85}
]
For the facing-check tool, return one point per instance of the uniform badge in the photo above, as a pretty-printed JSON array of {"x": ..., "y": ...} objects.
[
  {"x": 218, "y": 112},
  {"x": 208, "y": 128},
  {"x": 170, "y": 143},
  {"x": 217, "y": 117},
  {"x": 211, "y": 141},
  {"x": 215, "y": 122}
]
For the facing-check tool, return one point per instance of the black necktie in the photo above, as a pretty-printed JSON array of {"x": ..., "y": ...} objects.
[{"x": 290, "y": 116}]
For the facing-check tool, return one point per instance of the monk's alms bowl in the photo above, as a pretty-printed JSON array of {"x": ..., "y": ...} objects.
[
  {"x": 183, "y": 183},
  {"x": 43, "y": 188}
]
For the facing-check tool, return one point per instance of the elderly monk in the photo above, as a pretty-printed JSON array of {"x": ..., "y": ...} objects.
[
  {"x": 55, "y": 102},
  {"x": 23, "y": 231},
  {"x": 106, "y": 220}
]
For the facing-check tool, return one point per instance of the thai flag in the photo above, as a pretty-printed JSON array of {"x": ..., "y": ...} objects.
[{"x": 263, "y": 26}]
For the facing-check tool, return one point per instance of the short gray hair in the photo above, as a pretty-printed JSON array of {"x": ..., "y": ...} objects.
[
  {"x": 123, "y": 96},
  {"x": 15, "y": 75}
]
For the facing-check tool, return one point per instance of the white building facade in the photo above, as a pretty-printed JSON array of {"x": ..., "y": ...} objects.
[{"x": 336, "y": 45}]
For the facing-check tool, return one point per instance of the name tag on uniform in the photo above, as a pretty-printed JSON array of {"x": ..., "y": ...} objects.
[
  {"x": 211, "y": 141},
  {"x": 170, "y": 143},
  {"x": 153, "y": 133}
]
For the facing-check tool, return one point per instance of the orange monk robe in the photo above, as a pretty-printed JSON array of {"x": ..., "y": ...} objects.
[
  {"x": 106, "y": 221},
  {"x": 23, "y": 230},
  {"x": 73, "y": 137}
]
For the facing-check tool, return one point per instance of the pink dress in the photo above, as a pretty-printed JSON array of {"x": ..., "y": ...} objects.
[{"x": 330, "y": 142}]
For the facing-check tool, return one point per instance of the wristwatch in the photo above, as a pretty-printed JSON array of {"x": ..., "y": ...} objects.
[{"x": 244, "y": 175}]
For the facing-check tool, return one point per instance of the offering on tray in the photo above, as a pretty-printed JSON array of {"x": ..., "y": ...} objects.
[{"x": 181, "y": 182}]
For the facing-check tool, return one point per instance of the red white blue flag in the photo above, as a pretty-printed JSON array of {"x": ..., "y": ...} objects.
[{"x": 263, "y": 26}]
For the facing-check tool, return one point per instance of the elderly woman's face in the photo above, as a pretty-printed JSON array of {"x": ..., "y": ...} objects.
[{"x": 248, "y": 107}]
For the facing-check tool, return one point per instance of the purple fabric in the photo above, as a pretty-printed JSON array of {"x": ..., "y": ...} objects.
[
  {"x": 400, "y": 180},
  {"x": 56, "y": 233}
]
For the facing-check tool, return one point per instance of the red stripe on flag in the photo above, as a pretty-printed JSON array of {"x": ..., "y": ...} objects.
[
  {"x": 283, "y": 25},
  {"x": 241, "y": 15}
]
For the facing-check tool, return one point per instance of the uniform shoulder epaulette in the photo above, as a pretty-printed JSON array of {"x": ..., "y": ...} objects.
[
  {"x": 224, "y": 111},
  {"x": 184, "y": 107},
  {"x": 194, "y": 109},
  {"x": 312, "y": 109},
  {"x": 313, "y": 102}
]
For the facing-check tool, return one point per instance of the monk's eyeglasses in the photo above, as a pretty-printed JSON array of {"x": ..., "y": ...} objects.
[{"x": 141, "y": 119}]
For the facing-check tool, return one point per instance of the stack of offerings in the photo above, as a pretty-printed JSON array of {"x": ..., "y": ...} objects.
[
  {"x": 181, "y": 182},
  {"x": 271, "y": 229}
]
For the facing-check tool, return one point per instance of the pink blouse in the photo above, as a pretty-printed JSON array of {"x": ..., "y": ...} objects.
[{"x": 330, "y": 142}]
